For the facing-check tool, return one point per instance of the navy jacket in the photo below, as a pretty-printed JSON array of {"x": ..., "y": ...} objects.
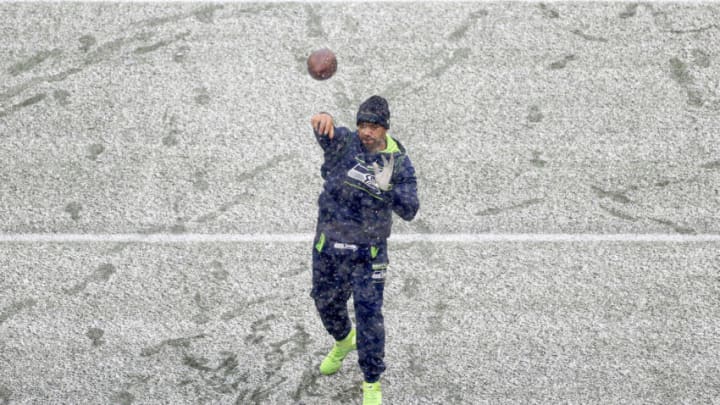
[{"x": 352, "y": 209}]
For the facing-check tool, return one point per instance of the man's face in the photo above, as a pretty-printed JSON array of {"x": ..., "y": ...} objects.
[{"x": 372, "y": 136}]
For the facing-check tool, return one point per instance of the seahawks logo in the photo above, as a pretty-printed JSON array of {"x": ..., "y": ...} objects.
[{"x": 366, "y": 177}]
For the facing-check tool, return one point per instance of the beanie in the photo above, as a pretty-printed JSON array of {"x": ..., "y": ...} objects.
[{"x": 374, "y": 110}]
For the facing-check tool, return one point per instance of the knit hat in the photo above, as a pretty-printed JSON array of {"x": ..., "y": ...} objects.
[{"x": 374, "y": 110}]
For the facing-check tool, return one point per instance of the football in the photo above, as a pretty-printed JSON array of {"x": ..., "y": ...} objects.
[{"x": 322, "y": 64}]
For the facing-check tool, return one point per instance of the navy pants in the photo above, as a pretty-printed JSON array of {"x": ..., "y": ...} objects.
[{"x": 339, "y": 271}]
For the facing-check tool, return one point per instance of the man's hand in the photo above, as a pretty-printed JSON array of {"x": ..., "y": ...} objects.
[
  {"x": 383, "y": 177},
  {"x": 323, "y": 124}
]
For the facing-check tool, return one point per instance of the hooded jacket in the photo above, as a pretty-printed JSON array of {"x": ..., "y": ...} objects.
[{"x": 352, "y": 209}]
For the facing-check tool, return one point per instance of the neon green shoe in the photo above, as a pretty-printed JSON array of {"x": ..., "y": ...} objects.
[
  {"x": 372, "y": 395},
  {"x": 332, "y": 362}
]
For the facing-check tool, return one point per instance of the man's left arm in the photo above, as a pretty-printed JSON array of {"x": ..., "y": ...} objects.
[{"x": 405, "y": 201}]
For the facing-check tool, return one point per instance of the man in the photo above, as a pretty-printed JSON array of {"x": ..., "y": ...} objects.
[{"x": 368, "y": 176}]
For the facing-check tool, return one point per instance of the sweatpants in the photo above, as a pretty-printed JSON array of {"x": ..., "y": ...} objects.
[{"x": 339, "y": 271}]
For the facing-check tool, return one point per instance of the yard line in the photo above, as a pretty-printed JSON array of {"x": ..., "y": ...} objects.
[{"x": 169, "y": 238}]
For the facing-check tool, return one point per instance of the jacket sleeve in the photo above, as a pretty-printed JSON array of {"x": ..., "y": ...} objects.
[
  {"x": 332, "y": 148},
  {"x": 405, "y": 201},
  {"x": 335, "y": 144}
]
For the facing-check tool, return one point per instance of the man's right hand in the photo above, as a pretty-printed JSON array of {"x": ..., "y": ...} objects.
[{"x": 323, "y": 124}]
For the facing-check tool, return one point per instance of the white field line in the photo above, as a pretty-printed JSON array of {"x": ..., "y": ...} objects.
[{"x": 165, "y": 238}]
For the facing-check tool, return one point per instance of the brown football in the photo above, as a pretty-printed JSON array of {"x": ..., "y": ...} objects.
[{"x": 322, "y": 64}]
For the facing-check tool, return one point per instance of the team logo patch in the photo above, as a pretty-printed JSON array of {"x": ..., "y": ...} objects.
[
  {"x": 365, "y": 177},
  {"x": 378, "y": 274}
]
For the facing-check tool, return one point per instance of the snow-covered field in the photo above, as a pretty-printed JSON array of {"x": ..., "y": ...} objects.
[{"x": 188, "y": 124}]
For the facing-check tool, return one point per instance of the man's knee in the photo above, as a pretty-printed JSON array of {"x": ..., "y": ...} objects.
[{"x": 329, "y": 298}]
